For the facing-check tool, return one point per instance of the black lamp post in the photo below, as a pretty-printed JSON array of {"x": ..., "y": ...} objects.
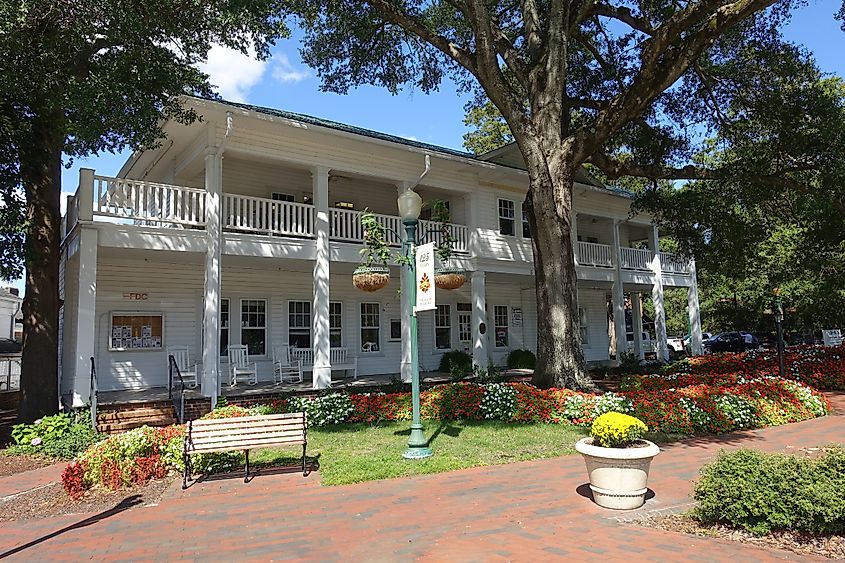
[{"x": 778, "y": 311}]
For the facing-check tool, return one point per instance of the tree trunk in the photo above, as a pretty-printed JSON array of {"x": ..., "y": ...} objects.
[
  {"x": 560, "y": 360},
  {"x": 41, "y": 170}
]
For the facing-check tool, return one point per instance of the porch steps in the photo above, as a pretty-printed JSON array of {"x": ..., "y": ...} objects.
[{"x": 121, "y": 417}]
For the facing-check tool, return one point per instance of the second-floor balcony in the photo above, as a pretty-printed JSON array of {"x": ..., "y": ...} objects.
[{"x": 168, "y": 206}]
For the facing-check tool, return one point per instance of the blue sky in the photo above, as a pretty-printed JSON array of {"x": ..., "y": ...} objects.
[{"x": 284, "y": 82}]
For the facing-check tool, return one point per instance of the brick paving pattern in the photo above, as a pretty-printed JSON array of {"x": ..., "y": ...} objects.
[{"x": 530, "y": 511}]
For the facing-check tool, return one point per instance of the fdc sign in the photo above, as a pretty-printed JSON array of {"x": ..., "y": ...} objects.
[{"x": 425, "y": 277}]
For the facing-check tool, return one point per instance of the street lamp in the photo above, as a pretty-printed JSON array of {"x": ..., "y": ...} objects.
[
  {"x": 410, "y": 205},
  {"x": 779, "y": 326}
]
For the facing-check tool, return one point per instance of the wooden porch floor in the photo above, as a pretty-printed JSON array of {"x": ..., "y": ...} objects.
[{"x": 364, "y": 382}]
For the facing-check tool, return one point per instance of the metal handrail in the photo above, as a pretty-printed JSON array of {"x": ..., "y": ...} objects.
[
  {"x": 180, "y": 405},
  {"x": 94, "y": 391}
]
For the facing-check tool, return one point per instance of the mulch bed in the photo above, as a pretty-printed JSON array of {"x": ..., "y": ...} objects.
[
  {"x": 13, "y": 464},
  {"x": 825, "y": 546},
  {"x": 52, "y": 500}
]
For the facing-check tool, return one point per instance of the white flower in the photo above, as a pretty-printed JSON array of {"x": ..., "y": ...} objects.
[
  {"x": 37, "y": 422},
  {"x": 36, "y": 442}
]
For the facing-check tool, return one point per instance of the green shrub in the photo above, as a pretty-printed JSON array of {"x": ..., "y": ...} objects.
[
  {"x": 458, "y": 358},
  {"x": 762, "y": 492},
  {"x": 521, "y": 359},
  {"x": 617, "y": 430},
  {"x": 62, "y": 436}
]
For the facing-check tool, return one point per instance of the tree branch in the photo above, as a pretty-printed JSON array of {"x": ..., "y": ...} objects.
[{"x": 621, "y": 14}]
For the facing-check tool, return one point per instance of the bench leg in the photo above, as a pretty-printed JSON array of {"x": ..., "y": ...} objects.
[
  {"x": 246, "y": 467},
  {"x": 186, "y": 473},
  {"x": 304, "y": 471}
]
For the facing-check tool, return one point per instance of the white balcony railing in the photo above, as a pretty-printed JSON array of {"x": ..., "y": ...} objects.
[
  {"x": 267, "y": 216},
  {"x": 673, "y": 264},
  {"x": 636, "y": 259},
  {"x": 149, "y": 203},
  {"x": 345, "y": 225},
  {"x": 593, "y": 254},
  {"x": 431, "y": 232}
]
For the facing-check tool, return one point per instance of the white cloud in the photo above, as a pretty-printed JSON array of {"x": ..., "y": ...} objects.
[
  {"x": 63, "y": 202},
  {"x": 284, "y": 71},
  {"x": 233, "y": 73}
]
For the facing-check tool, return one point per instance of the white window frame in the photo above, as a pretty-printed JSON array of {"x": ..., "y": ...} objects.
[
  {"x": 376, "y": 327},
  {"x": 526, "y": 228},
  {"x": 244, "y": 328},
  {"x": 301, "y": 329},
  {"x": 464, "y": 310},
  {"x": 505, "y": 217},
  {"x": 438, "y": 318},
  {"x": 336, "y": 330},
  {"x": 390, "y": 334},
  {"x": 497, "y": 326},
  {"x": 224, "y": 344}
]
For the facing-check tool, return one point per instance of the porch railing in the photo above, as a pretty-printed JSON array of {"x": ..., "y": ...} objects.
[
  {"x": 674, "y": 264},
  {"x": 345, "y": 225},
  {"x": 594, "y": 254},
  {"x": 636, "y": 259},
  {"x": 432, "y": 233},
  {"x": 268, "y": 216},
  {"x": 94, "y": 392},
  {"x": 148, "y": 202},
  {"x": 178, "y": 401}
]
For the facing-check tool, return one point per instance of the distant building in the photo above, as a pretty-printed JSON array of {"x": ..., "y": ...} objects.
[{"x": 10, "y": 311}]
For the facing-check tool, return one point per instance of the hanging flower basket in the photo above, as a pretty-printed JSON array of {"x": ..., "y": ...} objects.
[
  {"x": 449, "y": 278},
  {"x": 370, "y": 278}
]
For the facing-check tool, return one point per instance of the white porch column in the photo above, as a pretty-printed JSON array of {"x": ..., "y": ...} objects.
[
  {"x": 618, "y": 296},
  {"x": 479, "y": 316},
  {"x": 322, "y": 343},
  {"x": 211, "y": 290},
  {"x": 574, "y": 222},
  {"x": 657, "y": 297},
  {"x": 694, "y": 311},
  {"x": 637, "y": 323},
  {"x": 86, "y": 298}
]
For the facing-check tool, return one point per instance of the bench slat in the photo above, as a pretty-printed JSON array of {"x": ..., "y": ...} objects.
[
  {"x": 244, "y": 445},
  {"x": 222, "y": 438},
  {"x": 222, "y": 428},
  {"x": 216, "y": 421}
]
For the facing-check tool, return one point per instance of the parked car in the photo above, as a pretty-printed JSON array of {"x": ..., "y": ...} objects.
[
  {"x": 682, "y": 343},
  {"x": 730, "y": 342}
]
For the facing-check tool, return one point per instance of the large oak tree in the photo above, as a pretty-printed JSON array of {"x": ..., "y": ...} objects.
[
  {"x": 80, "y": 77},
  {"x": 613, "y": 83}
]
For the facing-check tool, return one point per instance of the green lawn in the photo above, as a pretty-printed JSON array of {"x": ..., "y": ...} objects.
[{"x": 351, "y": 453}]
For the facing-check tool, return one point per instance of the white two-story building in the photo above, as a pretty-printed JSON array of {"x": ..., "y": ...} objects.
[{"x": 244, "y": 228}]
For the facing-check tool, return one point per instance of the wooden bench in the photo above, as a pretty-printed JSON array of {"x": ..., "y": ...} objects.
[
  {"x": 243, "y": 433},
  {"x": 339, "y": 359}
]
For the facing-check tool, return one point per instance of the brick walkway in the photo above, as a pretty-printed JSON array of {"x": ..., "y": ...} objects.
[
  {"x": 28, "y": 480},
  {"x": 523, "y": 511}
]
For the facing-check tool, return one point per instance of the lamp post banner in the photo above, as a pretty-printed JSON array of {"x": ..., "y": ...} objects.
[{"x": 425, "y": 277}]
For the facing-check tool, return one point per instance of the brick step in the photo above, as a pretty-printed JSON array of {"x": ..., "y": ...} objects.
[{"x": 117, "y": 427}]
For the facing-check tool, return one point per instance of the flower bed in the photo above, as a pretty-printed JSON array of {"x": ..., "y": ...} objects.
[{"x": 817, "y": 366}]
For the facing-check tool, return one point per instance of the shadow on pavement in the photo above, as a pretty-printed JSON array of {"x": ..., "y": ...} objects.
[{"x": 125, "y": 504}]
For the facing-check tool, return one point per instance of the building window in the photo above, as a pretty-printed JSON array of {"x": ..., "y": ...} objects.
[
  {"x": 279, "y": 196},
  {"x": 583, "y": 327},
  {"x": 224, "y": 327},
  {"x": 370, "y": 327},
  {"x": 506, "y": 217},
  {"x": 526, "y": 228},
  {"x": 335, "y": 324},
  {"x": 395, "y": 330},
  {"x": 443, "y": 327},
  {"x": 254, "y": 326},
  {"x": 500, "y": 317},
  {"x": 465, "y": 322},
  {"x": 299, "y": 324}
]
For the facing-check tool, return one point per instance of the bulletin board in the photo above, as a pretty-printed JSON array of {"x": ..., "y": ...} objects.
[{"x": 136, "y": 331}]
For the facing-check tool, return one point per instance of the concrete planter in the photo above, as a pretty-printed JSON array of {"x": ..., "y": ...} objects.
[{"x": 618, "y": 476}]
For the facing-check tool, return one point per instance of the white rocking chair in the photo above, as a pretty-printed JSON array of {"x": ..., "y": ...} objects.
[
  {"x": 285, "y": 368},
  {"x": 240, "y": 366},
  {"x": 189, "y": 370}
]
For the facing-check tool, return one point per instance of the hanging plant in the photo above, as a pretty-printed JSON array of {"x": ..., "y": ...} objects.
[
  {"x": 445, "y": 277},
  {"x": 373, "y": 273}
]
